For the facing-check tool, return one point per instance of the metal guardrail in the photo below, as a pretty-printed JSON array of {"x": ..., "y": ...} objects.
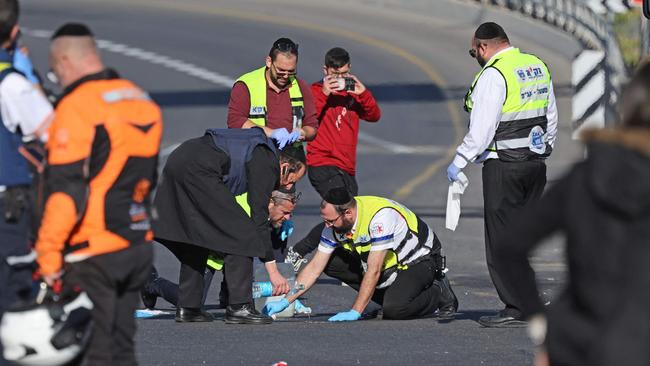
[
  {"x": 595, "y": 33},
  {"x": 598, "y": 71}
]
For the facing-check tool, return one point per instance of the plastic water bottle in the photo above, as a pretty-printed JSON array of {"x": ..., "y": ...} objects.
[{"x": 262, "y": 289}]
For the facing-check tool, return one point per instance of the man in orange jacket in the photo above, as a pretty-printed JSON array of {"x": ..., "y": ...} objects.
[{"x": 102, "y": 160}]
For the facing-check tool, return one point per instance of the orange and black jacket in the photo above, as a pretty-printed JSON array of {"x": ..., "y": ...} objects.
[{"x": 102, "y": 160}]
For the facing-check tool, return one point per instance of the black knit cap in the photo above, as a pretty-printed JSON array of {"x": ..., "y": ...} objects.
[
  {"x": 72, "y": 30},
  {"x": 338, "y": 196},
  {"x": 490, "y": 30}
]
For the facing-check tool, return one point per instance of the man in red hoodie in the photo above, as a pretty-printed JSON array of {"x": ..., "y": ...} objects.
[{"x": 341, "y": 101}]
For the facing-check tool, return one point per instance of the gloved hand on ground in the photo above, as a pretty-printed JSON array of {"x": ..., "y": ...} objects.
[
  {"x": 300, "y": 308},
  {"x": 275, "y": 307},
  {"x": 346, "y": 316}
]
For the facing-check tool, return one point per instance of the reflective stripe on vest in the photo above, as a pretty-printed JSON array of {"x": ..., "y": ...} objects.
[
  {"x": 367, "y": 208},
  {"x": 521, "y": 133},
  {"x": 14, "y": 168},
  {"x": 255, "y": 81}
]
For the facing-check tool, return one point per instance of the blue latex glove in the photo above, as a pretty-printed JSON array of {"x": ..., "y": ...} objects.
[
  {"x": 23, "y": 64},
  {"x": 294, "y": 136},
  {"x": 346, "y": 316},
  {"x": 300, "y": 308},
  {"x": 452, "y": 172},
  {"x": 275, "y": 307},
  {"x": 286, "y": 230},
  {"x": 281, "y": 135}
]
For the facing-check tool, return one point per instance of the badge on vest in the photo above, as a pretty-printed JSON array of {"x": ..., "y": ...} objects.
[
  {"x": 537, "y": 140},
  {"x": 256, "y": 110},
  {"x": 530, "y": 73}
]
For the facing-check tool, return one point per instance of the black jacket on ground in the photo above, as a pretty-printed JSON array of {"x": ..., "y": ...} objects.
[
  {"x": 194, "y": 206},
  {"x": 602, "y": 317}
]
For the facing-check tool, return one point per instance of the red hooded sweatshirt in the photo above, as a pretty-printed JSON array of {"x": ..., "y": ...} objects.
[{"x": 338, "y": 114}]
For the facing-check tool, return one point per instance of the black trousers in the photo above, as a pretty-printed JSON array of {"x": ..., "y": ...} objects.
[
  {"x": 508, "y": 188},
  {"x": 16, "y": 280},
  {"x": 113, "y": 282},
  {"x": 191, "y": 282},
  {"x": 410, "y": 296},
  {"x": 324, "y": 178},
  {"x": 168, "y": 290}
]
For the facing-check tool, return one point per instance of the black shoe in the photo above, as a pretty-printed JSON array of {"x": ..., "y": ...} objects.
[
  {"x": 149, "y": 297},
  {"x": 245, "y": 314},
  {"x": 448, "y": 304},
  {"x": 188, "y": 315},
  {"x": 502, "y": 320}
]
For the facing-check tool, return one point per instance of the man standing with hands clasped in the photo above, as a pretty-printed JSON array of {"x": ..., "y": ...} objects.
[
  {"x": 274, "y": 98},
  {"x": 512, "y": 130}
]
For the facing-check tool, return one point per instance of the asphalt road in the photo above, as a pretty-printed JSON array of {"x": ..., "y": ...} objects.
[{"x": 186, "y": 54}]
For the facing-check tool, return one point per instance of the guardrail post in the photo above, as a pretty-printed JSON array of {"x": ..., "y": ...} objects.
[{"x": 590, "y": 86}]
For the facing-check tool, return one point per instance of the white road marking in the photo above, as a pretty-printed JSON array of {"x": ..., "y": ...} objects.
[{"x": 204, "y": 74}]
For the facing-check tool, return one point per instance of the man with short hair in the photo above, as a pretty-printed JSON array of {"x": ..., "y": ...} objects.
[
  {"x": 102, "y": 165},
  {"x": 385, "y": 252},
  {"x": 512, "y": 130},
  {"x": 331, "y": 157},
  {"x": 274, "y": 98},
  {"x": 214, "y": 197}
]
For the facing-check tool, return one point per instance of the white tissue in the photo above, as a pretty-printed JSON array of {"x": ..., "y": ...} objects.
[{"x": 456, "y": 189}]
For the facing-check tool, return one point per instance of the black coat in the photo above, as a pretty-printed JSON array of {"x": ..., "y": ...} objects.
[
  {"x": 194, "y": 206},
  {"x": 603, "y": 207}
]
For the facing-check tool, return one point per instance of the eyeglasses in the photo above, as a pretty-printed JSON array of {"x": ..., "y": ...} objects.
[
  {"x": 284, "y": 73},
  {"x": 474, "y": 51},
  {"x": 334, "y": 220}
]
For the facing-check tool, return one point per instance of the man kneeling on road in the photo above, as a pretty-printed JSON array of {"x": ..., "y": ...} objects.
[{"x": 385, "y": 252}]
